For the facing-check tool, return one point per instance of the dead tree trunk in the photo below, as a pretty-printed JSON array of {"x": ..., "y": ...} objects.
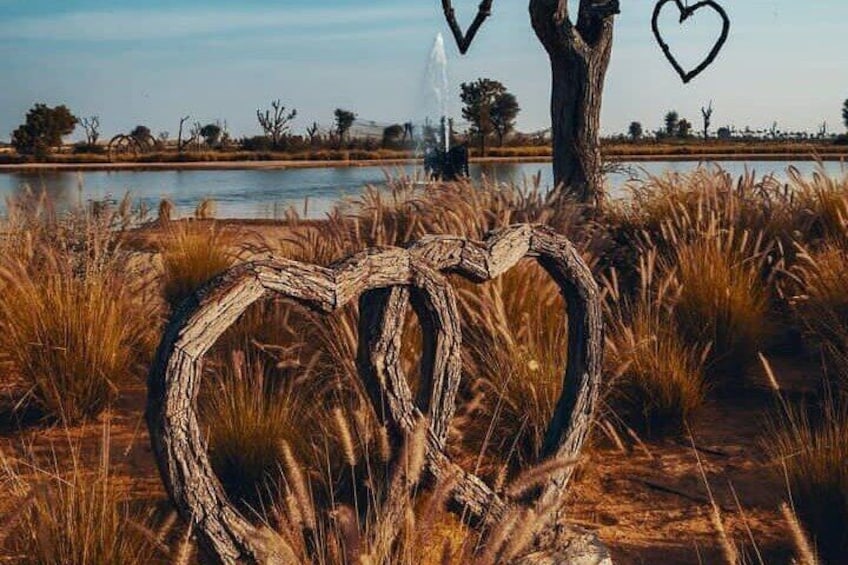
[
  {"x": 707, "y": 114},
  {"x": 579, "y": 56},
  {"x": 180, "y": 144}
]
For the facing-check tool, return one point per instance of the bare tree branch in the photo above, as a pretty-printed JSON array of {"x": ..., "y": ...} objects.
[
  {"x": 463, "y": 40},
  {"x": 277, "y": 123},
  {"x": 183, "y": 143},
  {"x": 92, "y": 129}
]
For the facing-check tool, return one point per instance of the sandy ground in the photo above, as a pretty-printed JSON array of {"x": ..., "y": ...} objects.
[{"x": 647, "y": 502}]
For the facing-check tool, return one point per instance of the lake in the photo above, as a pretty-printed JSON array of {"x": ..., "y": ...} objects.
[{"x": 267, "y": 193}]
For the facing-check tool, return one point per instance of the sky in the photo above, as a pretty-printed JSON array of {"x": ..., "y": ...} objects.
[{"x": 152, "y": 61}]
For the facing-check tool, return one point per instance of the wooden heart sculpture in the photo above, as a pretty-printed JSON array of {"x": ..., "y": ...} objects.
[
  {"x": 463, "y": 40},
  {"x": 383, "y": 280},
  {"x": 687, "y": 12}
]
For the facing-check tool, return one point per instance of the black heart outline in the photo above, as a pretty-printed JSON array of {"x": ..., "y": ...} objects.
[
  {"x": 463, "y": 40},
  {"x": 685, "y": 13}
]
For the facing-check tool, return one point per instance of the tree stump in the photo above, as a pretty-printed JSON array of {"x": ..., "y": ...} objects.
[{"x": 386, "y": 282}]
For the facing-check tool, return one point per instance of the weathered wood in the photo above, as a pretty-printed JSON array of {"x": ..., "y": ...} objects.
[
  {"x": 385, "y": 281},
  {"x": 382, "y": 314},
  {"x": 575, "y": 409}
]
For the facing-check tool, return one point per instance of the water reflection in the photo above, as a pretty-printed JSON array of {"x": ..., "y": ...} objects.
[
  {"x": 507, "y": 173},
  {"x": 268, "y": 193},
  {"x": 63, "y": 189}
]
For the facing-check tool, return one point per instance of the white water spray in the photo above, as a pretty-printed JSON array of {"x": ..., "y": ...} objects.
[{"x": 437, "y": 87}]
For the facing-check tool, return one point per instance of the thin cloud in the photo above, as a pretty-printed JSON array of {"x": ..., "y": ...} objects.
[
  {"x": 334, "y": 37},
  {"x": 137, "y": 25}
]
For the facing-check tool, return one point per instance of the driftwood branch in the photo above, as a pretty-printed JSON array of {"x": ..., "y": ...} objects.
[{"x": 385, "y": 282}]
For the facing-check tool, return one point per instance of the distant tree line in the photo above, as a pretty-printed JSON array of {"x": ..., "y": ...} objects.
[
  {"x": 489, "y": 109},
  {"x": 674, "y": 127}
]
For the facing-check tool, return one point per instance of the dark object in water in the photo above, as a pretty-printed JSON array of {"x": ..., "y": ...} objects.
[{"x": 446, "y": 165}]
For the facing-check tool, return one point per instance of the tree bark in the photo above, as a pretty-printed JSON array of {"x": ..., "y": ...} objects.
[
  {"x": 385, "y": 279},
  {"x": 579, "y": 55}
]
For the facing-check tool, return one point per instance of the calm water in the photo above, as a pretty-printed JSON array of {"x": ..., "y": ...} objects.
[{"x": 268, "y": 193}]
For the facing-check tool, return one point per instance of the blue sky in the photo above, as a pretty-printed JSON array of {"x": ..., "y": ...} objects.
[{"x": 150, "y": 62}]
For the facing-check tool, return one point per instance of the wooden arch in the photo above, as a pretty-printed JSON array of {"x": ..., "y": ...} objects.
[{"x": 382, "y": 280}]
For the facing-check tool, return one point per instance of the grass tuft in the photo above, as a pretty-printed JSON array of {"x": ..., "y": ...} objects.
[
  {"x": 810, "y": 448},
  {"x": 248, "y": 416},
  {"x": 76, "y": 317},
  {"x": 192, "y": 255},
  {"x": 820, "y": 302},
  {"x": 656, "y": 376},
  {"x": 723, "y": 300}
]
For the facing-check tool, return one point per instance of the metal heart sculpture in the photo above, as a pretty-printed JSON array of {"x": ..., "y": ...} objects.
[
  {"x": 463, "y": 40},
  {"x": 383, "y": 281},
  {"x": 687, "y": 12}
]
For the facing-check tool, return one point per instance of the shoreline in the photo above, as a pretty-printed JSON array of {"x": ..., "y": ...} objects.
[{"x": 291, "y": 164}]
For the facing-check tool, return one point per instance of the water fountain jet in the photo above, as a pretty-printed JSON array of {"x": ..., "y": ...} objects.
[{"x": 441, "y": 161}]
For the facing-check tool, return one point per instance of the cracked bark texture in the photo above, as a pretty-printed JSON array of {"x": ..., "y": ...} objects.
[
  {"x": 386, "y": 282},
  {"x": 579, "y": 53}
]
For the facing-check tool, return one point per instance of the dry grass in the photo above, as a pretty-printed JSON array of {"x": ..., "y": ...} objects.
[
  {"x": 249, "y": 415},
  {"x": 818, "y": 207},
  {"x": 810, "y": 447},
  {"x": 73, "y": 311},
  {"x": 690, "y": 267},
  {"x": 723, "y": 300},
  {"x": 72, "y": 340},
  {"x": 715, "y": 237},
  {"x": 656, "y": 376},
  {"x": 515, "y": 354},
  {"x": 806, "y": 555},
  {"x": 820, "y": 301},
  {"x": 192, "y": 255},
  {"x": 396, "y": 521},
  {"x": 69, "y": 513}
]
